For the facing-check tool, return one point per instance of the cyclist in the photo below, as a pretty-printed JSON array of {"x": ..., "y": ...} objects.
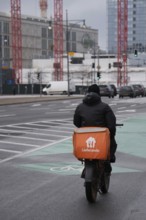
[{"x": 93, "y": 112}]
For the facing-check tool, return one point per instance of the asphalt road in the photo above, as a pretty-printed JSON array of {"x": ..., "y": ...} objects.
[{"x": 40, "y": 177}]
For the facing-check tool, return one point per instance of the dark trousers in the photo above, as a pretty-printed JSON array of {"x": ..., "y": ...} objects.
[{"x": 113, "y": 146}]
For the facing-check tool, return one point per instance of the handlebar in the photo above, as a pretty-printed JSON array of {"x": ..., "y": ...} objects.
[{"x": 119, "y": 124}]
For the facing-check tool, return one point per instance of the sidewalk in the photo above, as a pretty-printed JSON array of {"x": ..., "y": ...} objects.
[{"x": 20, "y": 99}]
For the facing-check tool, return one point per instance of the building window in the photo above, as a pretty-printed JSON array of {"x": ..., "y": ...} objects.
[
  {"x": 74, "y": 49},
  {"x": 7, "y": 53},
  {"x": 44, "y": 32},
  {"x": 50, "y": 34},
  {"x": 73, "y": 36},
  {"x": 134, "y": 5},
  {"x": 44, "y": 53},
  {"x": 44, "y": 44},
  {"x": 6, "y": 28}
]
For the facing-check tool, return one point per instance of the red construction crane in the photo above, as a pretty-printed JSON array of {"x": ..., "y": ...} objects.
[
  {"x": 16, "y": 39},
  {"x": 122, "y": 33},
  {"x": 58, "y": 40}
]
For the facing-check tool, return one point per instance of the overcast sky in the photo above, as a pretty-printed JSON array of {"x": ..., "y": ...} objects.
[{"x": 93, "y": 11}]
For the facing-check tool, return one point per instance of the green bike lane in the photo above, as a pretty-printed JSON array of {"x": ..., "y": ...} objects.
[{"x": 58, "y": 158}]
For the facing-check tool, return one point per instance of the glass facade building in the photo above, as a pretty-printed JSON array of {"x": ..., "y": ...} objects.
[{"x": 136, "y": 25}]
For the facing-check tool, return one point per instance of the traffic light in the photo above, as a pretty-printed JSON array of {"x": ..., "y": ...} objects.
[
  {"x": 93, "y": 65},
  {"x": 38, "y": 75},
  {"x": 98, "y": 75},
  {"x": 109, "y": 65},
  {"x": 135, "y": 53}
]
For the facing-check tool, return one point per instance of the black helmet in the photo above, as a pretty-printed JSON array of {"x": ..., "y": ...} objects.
[{"x": 94, "y": 88}]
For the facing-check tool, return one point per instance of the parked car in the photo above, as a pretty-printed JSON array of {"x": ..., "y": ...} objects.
[
  {"x": 126, "y": 91},
  {"x": 144, "y": 91},
  {"x": 136, "y": 90},
  {"x": 106, "y": 90},
  {"x": 140, "y": 90},
  {"x": 114, "y": 88}
]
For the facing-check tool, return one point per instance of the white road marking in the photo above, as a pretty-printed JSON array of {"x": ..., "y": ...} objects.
[
  {"x": 65, "y": 109},
  {"x": 121, "y": 107},
  {"x": 33, "y": 150},
  {"x": 75, "y": 104},
  {"x": 7, "y": 115},
  {"x": 55, "y": 123},
  {"x": 16, "y": 143},
  {"x": 34, "y": 105},
  {"x": 25, "y": 132},
  {"x": 59, "y": 112},
  {"x": 51, "y": 120},
  {"x": 22, "y": 137},
  {"x": 128, "y": 110},
  {"x": 63, "y": 126},
  {"x": 112, "y": 104},
  {"x": 29, "y": 128},
  {"x": 11, "y": 151}
]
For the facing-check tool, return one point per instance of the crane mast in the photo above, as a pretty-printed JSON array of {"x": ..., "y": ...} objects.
[
  {"x": 122, "y": 33},
  {"x": 16, "y": 39},
  {"x": 58, "y": 40}
]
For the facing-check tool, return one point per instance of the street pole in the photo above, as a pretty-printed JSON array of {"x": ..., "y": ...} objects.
[
  {"x": 98, "y": 65},
  {"x": 67, "y": 51}
]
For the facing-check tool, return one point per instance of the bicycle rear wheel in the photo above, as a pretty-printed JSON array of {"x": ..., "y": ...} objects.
[
  {"x": 91, "y": 191},
  {"x": 105, "y": 182}
]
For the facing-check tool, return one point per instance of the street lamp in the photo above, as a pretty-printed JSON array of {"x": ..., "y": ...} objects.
[
  {"x": 67, "y": 44},
  {"x": 67, "y": 47}
]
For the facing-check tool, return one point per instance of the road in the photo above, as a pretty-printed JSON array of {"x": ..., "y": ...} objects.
[{"x": 40, "y": 178}]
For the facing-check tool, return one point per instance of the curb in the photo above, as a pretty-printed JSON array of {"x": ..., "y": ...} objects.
[{"x": 7, "y": 100}]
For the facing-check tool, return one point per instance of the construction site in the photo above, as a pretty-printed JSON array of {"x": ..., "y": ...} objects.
[{"x": 36, "y": 50}]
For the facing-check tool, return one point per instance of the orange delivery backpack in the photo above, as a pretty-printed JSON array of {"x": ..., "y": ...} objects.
[{"x": 91, "y": 143}]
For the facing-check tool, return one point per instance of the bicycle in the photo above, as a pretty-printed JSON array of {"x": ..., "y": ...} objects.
[{"x": 92, "y": 148}]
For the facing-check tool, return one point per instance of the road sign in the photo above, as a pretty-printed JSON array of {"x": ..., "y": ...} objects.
[{"x": 71, "y": 54}]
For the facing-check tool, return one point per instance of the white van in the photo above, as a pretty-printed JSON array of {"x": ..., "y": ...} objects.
[{"x": 58, "y": 88}]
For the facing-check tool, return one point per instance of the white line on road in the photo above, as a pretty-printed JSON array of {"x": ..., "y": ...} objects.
[
  {"x": 22, "y": 137},
  {"x": 16, "y": 143},
  {"x": 11, "y": 151},
  {"x": 34, "y": 105},
  {"x": 65, "y": 109},
  {"x": 26, "y": 132},
  {"x": 59, "y": 112},
  {"x": 7, "y": 115},
  {"x": 51, "y": 120},
  {"x": 121, "y": 107},
  {"x": 55, "y": 123},
  {"x": 28, "y": 128},
  {"x": 33, "y": 150},
  {"x": 112, "y": 104},
  {"x": 128, "y": 110}
]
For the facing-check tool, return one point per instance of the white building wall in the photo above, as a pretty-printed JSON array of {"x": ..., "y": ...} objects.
[{"x": 83, "y": 74}]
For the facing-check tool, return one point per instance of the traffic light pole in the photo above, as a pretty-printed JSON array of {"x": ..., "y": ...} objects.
[{"x": 98, "y": 67}]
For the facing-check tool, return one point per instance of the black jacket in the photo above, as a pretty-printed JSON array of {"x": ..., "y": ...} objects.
[{"x": 93, "y": 112}]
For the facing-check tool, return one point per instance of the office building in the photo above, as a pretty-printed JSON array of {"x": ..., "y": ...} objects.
[
  {"x": 37, "y": 39},
  {"x": 136, "y": 26}
]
